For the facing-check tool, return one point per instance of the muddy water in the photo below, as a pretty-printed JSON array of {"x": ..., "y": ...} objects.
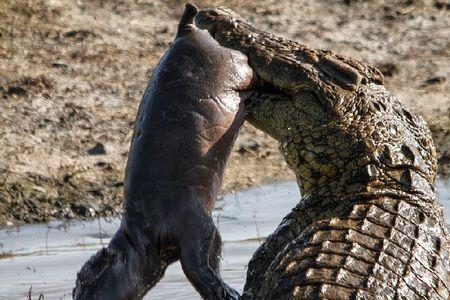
[{"x": 46, "y": 257}]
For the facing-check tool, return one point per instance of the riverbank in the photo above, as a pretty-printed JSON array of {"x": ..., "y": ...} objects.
[{"x": 72, "y": 74}]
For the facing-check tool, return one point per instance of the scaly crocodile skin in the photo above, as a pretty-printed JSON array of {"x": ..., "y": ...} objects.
[
  {"x": 384, "y": 248},
  {"x": 368, "y": 225}
]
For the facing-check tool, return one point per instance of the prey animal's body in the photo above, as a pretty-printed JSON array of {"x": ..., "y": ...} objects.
[
  {"x": 187, "y": 122},
  {"x": 368, "y": 225}
]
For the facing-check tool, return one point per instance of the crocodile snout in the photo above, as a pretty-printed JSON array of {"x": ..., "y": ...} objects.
[
  {"x": 214, "y": 20},
  {"x": 206, "y": 19}
]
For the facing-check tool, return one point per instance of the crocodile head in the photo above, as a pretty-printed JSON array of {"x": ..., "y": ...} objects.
[
  {"x": 287, "y": 68},
  {"x": 339, "y": 130},
  {"x": 232, "y": 31}
]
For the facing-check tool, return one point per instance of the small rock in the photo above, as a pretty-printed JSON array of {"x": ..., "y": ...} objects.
[
  {"x": 17, "y": 90},
  {"x": 442, "y": 4},
  {"x": 101, "y": 164},
  {"x": 435, "y": 80},
  {"x": 249, "y": 146},
  {"x": 78, "y": 34},
  {"x": 98, "y": 149},
  {"x": 82, "y": 210},
  {"x": 388, "y": 69},
  {"x": 164, "y": 29},
  {"x": 39, "y": 189},
  {"x": 351, "y": 2},
  {"x": 59, "y": 64},
  {"x": 96, "y": 192}
]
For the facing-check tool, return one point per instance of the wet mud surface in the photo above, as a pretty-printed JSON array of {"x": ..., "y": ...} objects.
[
  {"x": 46, "y": 257},
  {"x": 72, "y": 74}
]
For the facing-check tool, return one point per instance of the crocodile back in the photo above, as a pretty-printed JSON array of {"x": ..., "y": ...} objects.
[{"x": 379, "y": 249}]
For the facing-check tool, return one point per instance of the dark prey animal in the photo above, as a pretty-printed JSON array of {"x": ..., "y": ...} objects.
[
  {"x": 368, "y": 225},
  {"x": 187, "y": 122}
]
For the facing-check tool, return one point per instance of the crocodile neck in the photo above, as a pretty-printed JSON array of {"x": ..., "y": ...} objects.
[{"x": 376, "y": 148}]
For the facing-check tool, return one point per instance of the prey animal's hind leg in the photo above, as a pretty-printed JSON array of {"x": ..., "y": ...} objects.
[
  {"x": 199, "y": 245},
  {"x": 111, "y": 273},
  {"x": 122, "y": 271},
  {"x": 216, "y": 252}
]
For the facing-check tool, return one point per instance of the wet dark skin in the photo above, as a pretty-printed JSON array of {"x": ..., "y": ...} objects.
[{"x": 187, "y": 122}]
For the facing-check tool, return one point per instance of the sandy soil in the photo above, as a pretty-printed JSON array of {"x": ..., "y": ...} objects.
[{"x": 72, "y": 74}]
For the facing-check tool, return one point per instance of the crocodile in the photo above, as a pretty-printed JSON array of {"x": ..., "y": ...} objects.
[{"x": 368, "y": 225}]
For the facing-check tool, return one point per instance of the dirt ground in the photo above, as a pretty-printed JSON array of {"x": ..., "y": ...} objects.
[{"x": 72, "y": 73}]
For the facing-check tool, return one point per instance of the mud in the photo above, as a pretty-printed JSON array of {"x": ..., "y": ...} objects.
[{"x": 72, "y": 74}]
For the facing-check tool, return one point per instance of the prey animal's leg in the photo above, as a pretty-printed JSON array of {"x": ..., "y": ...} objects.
[
  {"x": 118, "y": 272},
  {"x": 197, "y": 248},
  {"x": 216, "y": 252}
]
